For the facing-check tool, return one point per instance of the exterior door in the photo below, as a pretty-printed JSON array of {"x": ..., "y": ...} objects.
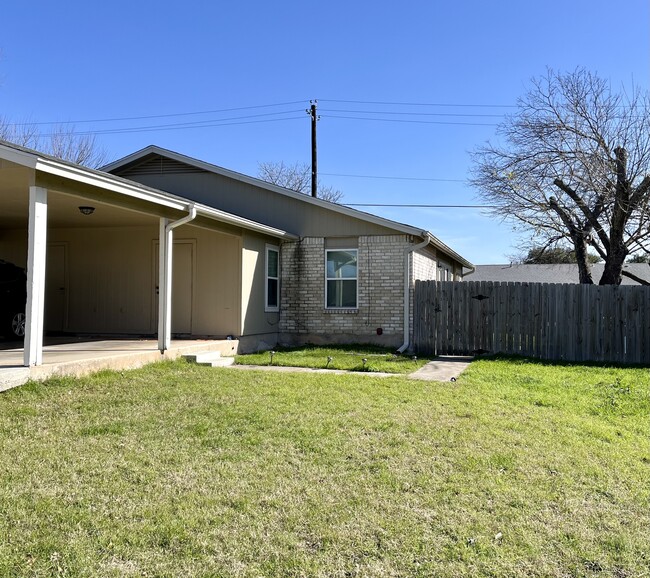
[
  {"x": 56, "y": 288},
  {"x": 182, "y": 286}
]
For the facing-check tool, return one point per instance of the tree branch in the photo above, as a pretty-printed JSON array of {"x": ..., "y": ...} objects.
[
  {"x": 586, "y": 211},
  {"x": 632, "y": 276}
]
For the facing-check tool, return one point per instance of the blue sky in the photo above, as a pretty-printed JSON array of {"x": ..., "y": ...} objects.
[{"x": 81, "y": 61}]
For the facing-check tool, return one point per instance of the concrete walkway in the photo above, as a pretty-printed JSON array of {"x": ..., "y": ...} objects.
[
  {"x": 77, "y": 358},
  {"x": 443, "y": 368},
  {"x": 284, "y": 369}
]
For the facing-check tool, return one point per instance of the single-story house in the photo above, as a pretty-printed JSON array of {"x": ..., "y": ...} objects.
[
  {"x": 158, "y": 243},
  {"x": 552, "y": 273}
]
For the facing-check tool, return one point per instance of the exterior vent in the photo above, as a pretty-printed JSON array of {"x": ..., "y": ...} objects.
[{"x": 158, "y": 165}]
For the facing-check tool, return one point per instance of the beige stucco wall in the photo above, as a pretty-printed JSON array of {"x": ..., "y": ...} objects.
[
  {"x": 257, "y": 324},
  {"x": 110, "y": 278}
]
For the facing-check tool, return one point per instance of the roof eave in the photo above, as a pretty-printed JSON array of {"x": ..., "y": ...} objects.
[
  {"x": 91, "y": 177},
  {"x": 349, "y": 211}
]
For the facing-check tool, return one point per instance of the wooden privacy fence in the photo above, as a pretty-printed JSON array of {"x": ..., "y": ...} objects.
[{"x": 548, "y": 321}]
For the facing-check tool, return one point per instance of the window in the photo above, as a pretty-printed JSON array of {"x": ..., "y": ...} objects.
[
  {"x": 272, "y": 292},
  {"x": 445, "y": 272},
  {"x": 341, "y": 278}
]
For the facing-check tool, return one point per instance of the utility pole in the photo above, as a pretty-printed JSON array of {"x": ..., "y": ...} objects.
[{"x": 311, "y": 111}]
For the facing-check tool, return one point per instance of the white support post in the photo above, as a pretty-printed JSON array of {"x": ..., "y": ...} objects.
[
  {"x": 169, "y": 258},
  {"x": 163, "y": 295},
  {"x": 36, "y": 253},
  {"x": 165, "y": 281}
]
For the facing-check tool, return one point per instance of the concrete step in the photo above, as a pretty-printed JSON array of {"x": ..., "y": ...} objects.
[
  {"x": 222, "y": 362},
  {"x": 13, "y": 377},
  {"x": 210, "y": 359}
]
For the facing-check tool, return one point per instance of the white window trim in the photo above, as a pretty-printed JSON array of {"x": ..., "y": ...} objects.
[
  {"x": 448, "y": 270},
  {"x": 267, "y": 307},
  {"x": 356, "y": 299}
]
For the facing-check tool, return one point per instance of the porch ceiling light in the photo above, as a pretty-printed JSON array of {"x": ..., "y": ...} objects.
[{"x": 86, "y": 210}]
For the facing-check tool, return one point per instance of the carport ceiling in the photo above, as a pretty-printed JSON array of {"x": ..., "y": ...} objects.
[{"x": 63, "y": 209}]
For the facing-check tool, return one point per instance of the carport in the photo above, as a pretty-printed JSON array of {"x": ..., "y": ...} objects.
[{"x": 116, "y": 238}]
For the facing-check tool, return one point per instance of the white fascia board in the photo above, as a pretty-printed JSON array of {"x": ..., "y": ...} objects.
[
  {"x": 131, "y": 189},
  {"x": 132, "y": 157},
  {"x": 18, "y": 157},
  {"x": 108, "y": 182},
  {"x": 449, "y": 251},
  {"x": 80, "y": 175}
]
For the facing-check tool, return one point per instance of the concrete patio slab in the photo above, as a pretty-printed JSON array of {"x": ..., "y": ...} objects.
[{"x": 80, "y": 357}]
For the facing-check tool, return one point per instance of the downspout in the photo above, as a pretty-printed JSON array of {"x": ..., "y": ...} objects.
[
  {"x": 407, "y": 290},
  {"x": 165, "y": 283}
]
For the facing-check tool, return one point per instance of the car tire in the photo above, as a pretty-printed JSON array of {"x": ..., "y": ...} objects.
[{"x": 17, "y": 325}]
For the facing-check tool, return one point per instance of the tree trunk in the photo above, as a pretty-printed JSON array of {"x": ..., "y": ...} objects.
[
  {"x": 614, "y": 265},
  {"x": 584, "y": 268},
  {"x": 620, "y": 216}
]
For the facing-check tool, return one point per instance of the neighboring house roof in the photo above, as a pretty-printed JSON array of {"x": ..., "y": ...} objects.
[
  {"x": 335, "y": 207},
  {"x": 60, "y": 168},
  {"x": 555, "y": 273}
]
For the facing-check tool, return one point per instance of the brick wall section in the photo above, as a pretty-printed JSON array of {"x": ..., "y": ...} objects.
[
  {"x": 380, "y": 287},
  {"x": 424, "y": 265}
]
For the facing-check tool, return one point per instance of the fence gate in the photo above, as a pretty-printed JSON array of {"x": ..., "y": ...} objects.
[{"x": 547, "y": 321}]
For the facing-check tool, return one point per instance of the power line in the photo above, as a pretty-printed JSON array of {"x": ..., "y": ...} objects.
[
  {"x": 396, "y": 178},
  {"x": 261, "y": 106},
  {"x": 455, "y": 114},
  {"x": 419, "y": 103},
  {"x": 252, "y": 107},
  {"x": 116, "y": 119},
  {"x": 409, "y": 121},
  {"x": 178, "y": 127}
]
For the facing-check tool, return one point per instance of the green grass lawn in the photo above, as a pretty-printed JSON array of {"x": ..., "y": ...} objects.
[
  {"x": 347, "y": 357},
  {"x": 517, "y": 469}
]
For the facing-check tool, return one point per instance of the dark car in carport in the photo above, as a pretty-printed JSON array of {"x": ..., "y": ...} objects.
[{"x": 13, "y": 297}]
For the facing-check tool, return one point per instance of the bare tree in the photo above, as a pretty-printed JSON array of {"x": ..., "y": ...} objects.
[
  {"x": 61, "y": 141},
  {"x": 575, "y": 168},
  {"x": 65, "y": 144},
  {"x": 22, "y": 134},
  {"x": 296, "y": 177}
]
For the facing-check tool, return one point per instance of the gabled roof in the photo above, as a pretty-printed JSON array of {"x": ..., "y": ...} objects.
[
  {"x": 335, "y": 207},
  {"x": 552, "y": 273},
  {"x": 51, "y": 165}
]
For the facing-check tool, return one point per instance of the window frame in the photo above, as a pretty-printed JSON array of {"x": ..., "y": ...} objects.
[
  {"x": 447, "y": 269},
  {"x": 271, "y": 308},
  {"x": 355, "y": 279}
]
